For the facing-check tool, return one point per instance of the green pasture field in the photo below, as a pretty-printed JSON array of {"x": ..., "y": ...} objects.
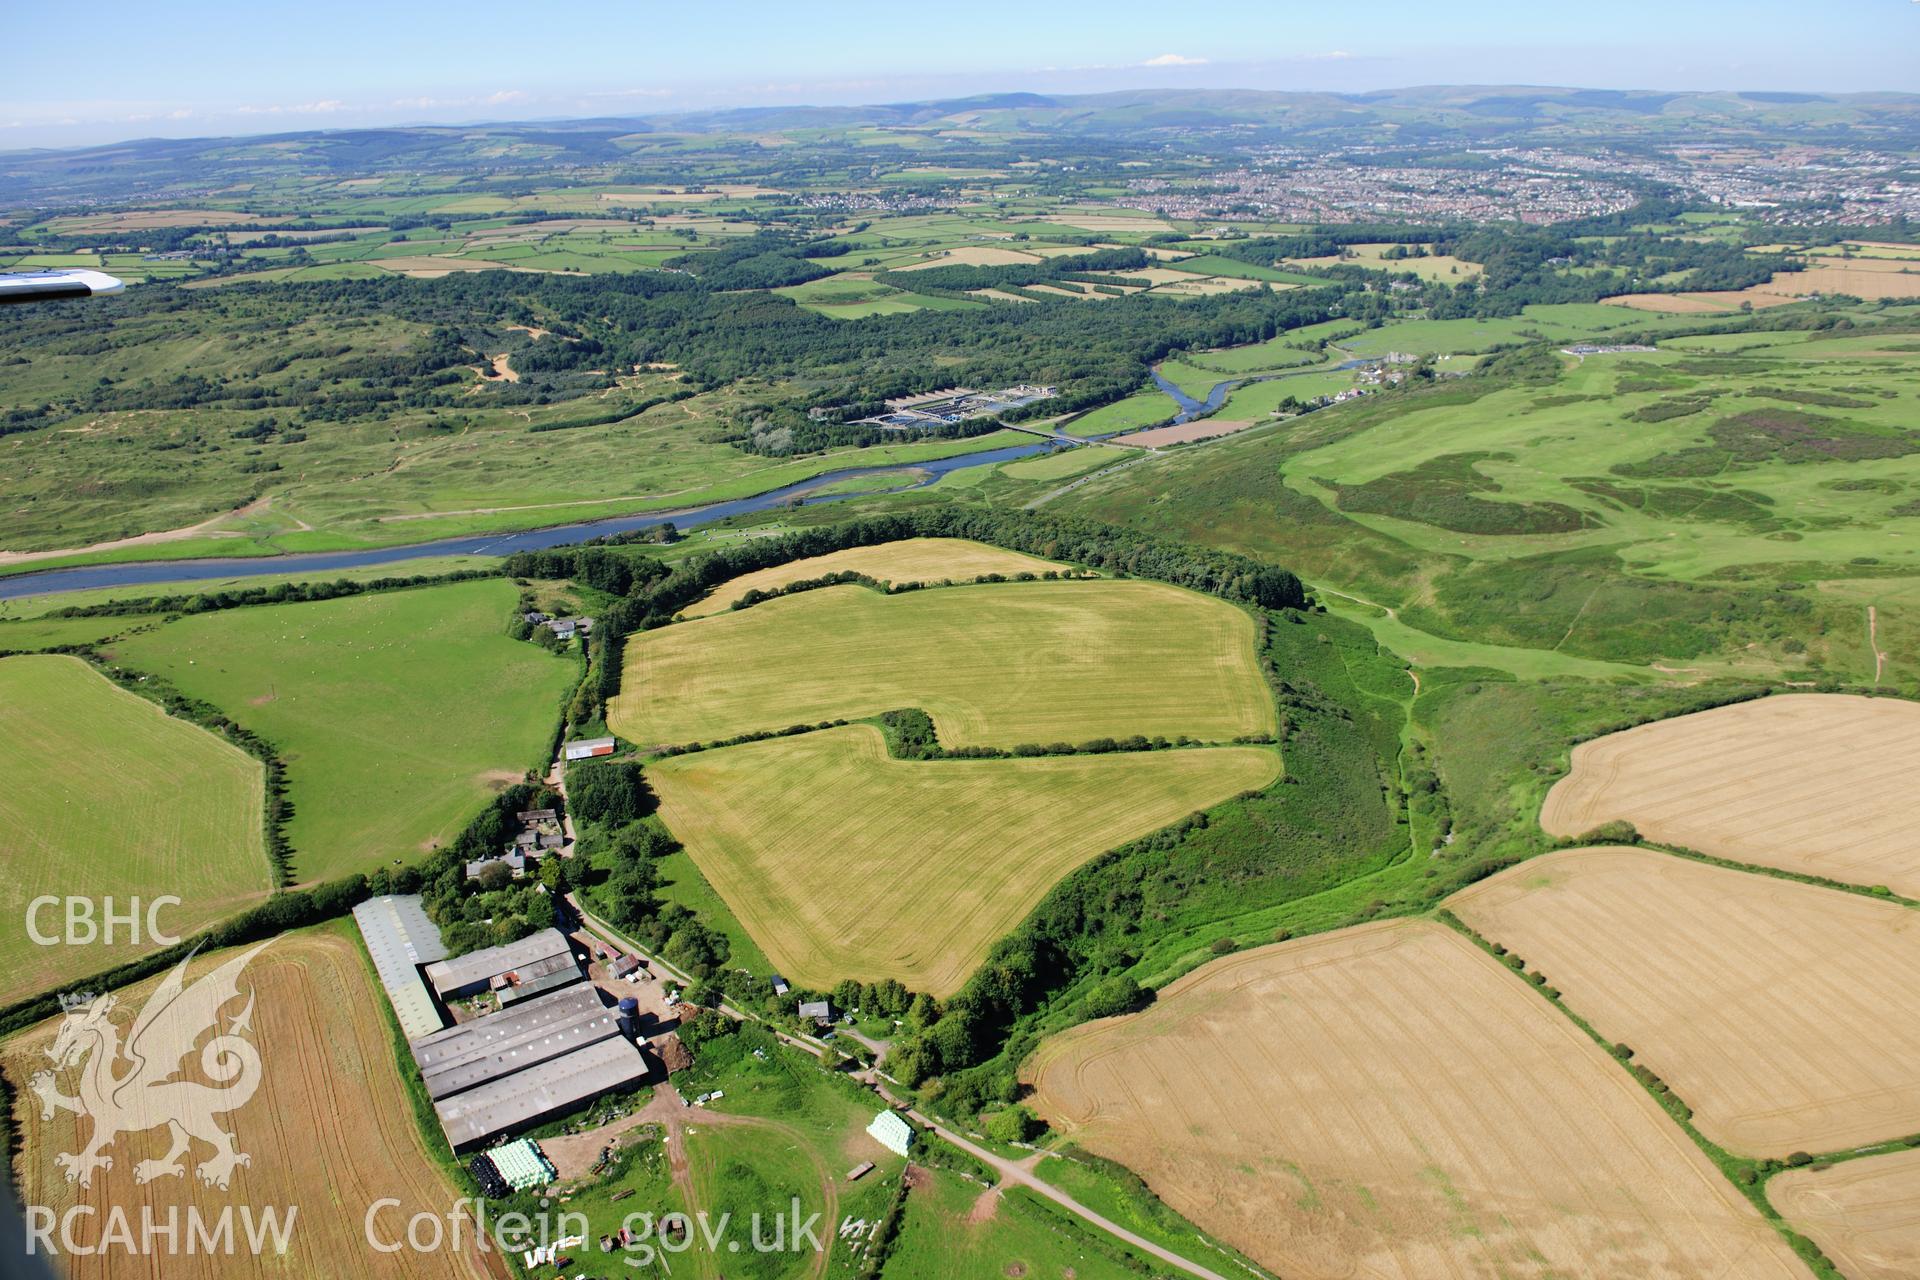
[
  {"x": 1208, "y": 265},
  {"x": 1061, "y": 465},
  {"x": 1147, "y": 408},
  {"x": 108, "y": 796},
  {"x": 997, "y": 664},
  {"x": 1195, "y": 381},
  {"x": 801, "y": 836},
  {"x": 1257, "y": 357},
  {"x": 371, "y": 701},
  {"x": 24, "y": 608},
  {"x": 943, "y": 1236},
  {"x": 1258, "y": 399},
  {"x": 28, "y": 635},
  {"x": 1557, "y": 322}
]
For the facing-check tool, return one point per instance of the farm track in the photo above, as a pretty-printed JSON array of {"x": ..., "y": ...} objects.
[
  {"x": 1786, "y": 1015},
  {"x": 1812, "y": 783}
]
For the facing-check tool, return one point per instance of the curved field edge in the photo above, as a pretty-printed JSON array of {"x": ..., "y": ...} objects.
[
  {"x": 369, "y": 701},
  {"x": 804, "y": 839},
  {"x": 329, "y": 1131},
  {"x": 910, "y": 560},
  {"x": 1810, "y": 783},
  {"x": 994, "y": 664},
  {"x": 1330, "y": 1101},
  {"x": 109, "y": 797}
]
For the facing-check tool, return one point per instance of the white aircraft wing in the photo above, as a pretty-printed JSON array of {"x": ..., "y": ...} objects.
[{"x": 44, "y": 286}]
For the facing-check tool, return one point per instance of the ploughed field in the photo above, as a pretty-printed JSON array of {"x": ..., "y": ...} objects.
[
  {"x": 1388, "y": 1101},
  {"x": 107, "y": 796},
  {"x": 841, "y": 860},
  {"x": 398, "y": 713},
  {"x": 1864, "y": 1214},
  {"x": 1819, "y": 784},
  {"x": 1786, "y": 1015},
  {"x": 910, "y": 560},
  {"x": 329, "y": 1131},
  {"x": 995, "y": 665}
]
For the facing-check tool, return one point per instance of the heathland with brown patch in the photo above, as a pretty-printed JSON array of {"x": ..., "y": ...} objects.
[
  {"x": 1820, "y": 784},
  {"x": 1388, "y": 1101},
  {"x": 1786, "y": 1015}
]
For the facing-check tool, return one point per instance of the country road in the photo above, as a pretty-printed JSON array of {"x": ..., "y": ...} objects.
[
  {"x": 1020, "y": 1173},
  {"x": 1016, "y": 1172}
]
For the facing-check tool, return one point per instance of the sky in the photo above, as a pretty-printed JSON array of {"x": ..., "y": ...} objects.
[{"x": 197, "y": 68}]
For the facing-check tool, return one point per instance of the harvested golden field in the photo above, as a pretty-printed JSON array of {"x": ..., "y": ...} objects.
[
  {"x": 1862, "y": 278},
  {"x": 329, "y": 1131},
  {"x": 1816, "y": 783},
  {"x": 908, "y": 560},
  {"x": 1203, "y": 429},
  {"x": 842, "y": 861},
  {"x": 1387, "y": 1101},
  {"x": 1671, "y": 303},
  {"x": 1864, "y": 1214},
  {"x": 1206, "y": 286},
  {"x": 995, "y": 665},
  {"x": 973, "y": 255},
  {"x": 1787, "y": 1016}
]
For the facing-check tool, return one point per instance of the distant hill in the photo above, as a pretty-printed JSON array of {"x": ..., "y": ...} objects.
[{"x": 635, "y": 148}]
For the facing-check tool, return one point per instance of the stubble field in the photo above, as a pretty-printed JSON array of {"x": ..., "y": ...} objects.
[
  {"x": 1813, "y": 783},
  {"x": 908, "y": 560},
  {"x": 1386, "y": 1101},
  {"x": 108, "y": 796},
  {"x": 330, "y": 1131},
  {"x": 999, "y": 665},
  {"x": 1786, "y": 1016},
  {"x": 842, "y": 861},
  {"x": 1864, "y": 1214}
]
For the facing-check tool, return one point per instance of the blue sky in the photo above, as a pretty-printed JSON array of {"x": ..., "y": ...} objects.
[{"x": 207, "y": 67}]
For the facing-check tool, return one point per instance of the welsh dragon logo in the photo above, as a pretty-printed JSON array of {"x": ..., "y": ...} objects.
[{"x": 132, "y": 1087}]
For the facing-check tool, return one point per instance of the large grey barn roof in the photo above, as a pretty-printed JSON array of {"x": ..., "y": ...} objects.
[
  {"x": 513, "y": 1040},
  {"x": 478, "y": 966},
  {"x": 563, "y": 1082},
  {"x": 399, "y": 937}
]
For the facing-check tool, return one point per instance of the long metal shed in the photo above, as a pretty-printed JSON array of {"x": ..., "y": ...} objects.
[
  {"x": 474, "y": 970},
  {"x": 500, "y": 1044},
  {"x": 400, "y": 939},
  {"x": 510, "y": 1102}
]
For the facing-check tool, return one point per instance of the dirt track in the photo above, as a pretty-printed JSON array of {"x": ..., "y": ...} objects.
[
  {"x": 1387, "y": 1101},
  {"x": 1817, "y": 783}
]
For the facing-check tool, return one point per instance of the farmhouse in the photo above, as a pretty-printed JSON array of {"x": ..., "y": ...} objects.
[
  {"x": 586, "y": 748},
  {"x": 400, "y": 939},
  {"x": 498, "y": 968},
  {"x": 892, "y": 1132},
  {"x": 821, "y": 1011}
]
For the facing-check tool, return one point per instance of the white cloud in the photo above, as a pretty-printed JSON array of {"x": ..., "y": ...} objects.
[
  {"x": 1174, "y": 60},
  {"x": 506, "y": 96},
  {"x": 325, "y": 107}
]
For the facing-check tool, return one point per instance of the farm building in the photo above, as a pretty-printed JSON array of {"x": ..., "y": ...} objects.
[
  {"x": 818, "y": 1010},
  {"x": 780, "y": 986},
  {"x": 587, "y": 748},
  {"x": 545, "y": 952},
  {"x": 400, "y": 939},
  {"x": 624, "y": 966},
  {"x": 459, "y": 1058},
  {"x": 553, "y": 1088},
  {"x": 892, "y": 1132}
]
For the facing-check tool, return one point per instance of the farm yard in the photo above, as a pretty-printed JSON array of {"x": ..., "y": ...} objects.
[
  {"x": 910, "y": 560},
  {"x": 1785, "y": 1015},
  {"x": 1809, "y": 783},
  {"x": 329, "y": 1130},
  {"x": 1387, "y": 1100},
  {"x": 370, "y": 700},
  {"x": 107, "y": 796},
  {"x": 997, "y": 664},
  {"x": 804, "y": 838},
  {"x": 1864, "y": 1214}
]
